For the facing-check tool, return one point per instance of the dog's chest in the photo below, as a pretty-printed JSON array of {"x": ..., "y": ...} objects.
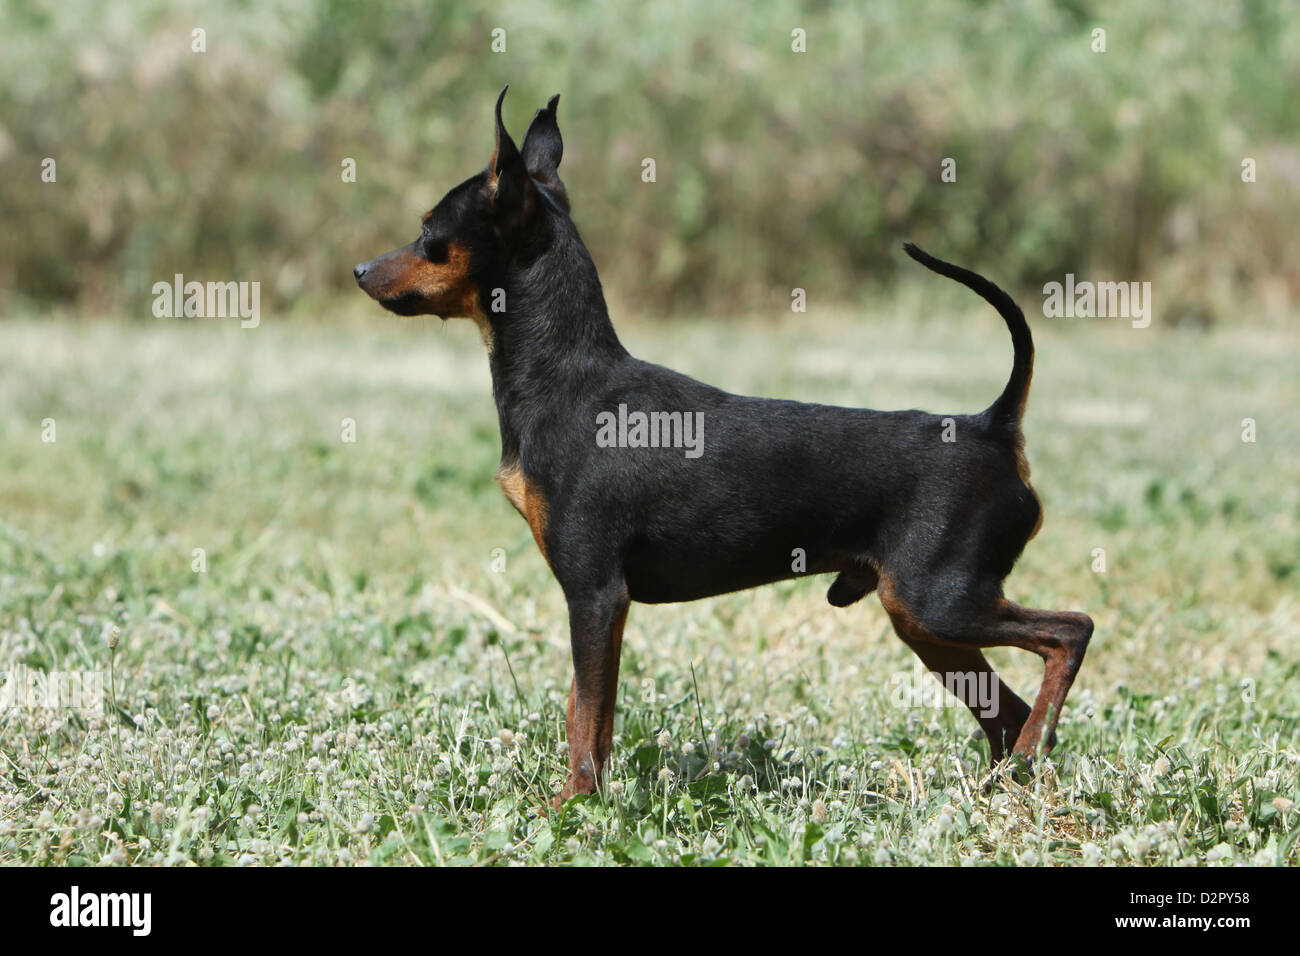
[{"x": 528, "y": 500}]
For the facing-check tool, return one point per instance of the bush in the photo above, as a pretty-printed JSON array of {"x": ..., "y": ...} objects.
[{"x": 774, "y": 169}]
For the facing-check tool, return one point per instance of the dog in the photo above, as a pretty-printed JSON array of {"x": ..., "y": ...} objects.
[{"x": 880, "y": 499}]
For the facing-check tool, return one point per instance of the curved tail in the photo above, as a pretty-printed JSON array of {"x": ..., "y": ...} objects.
[{"x": 1010, "y": 405}]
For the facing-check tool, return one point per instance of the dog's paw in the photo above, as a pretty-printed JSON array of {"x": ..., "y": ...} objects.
[{"x": 1012, "y": 771}]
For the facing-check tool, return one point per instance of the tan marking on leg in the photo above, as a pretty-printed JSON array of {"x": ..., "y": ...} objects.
[
  {"x": 943, "y": 658},
  {"x": 904, "y": 621},
  {"x": 1060, "y": 638},
  {"x": 528, "y": 501},
  {"x": 611, "y": 691},
  {"x": 589, "y": 716}
]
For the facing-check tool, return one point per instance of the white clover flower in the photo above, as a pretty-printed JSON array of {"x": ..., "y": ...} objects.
[
  {"x": 1217, "y": 853},
  {"x": 664, "y": 740}
]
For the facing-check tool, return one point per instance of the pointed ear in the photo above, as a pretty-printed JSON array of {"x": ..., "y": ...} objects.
[
  {"x": 504, "y": 151},
  {"x": 543, "y": 148},
  {"x": 514, "y": 197}
]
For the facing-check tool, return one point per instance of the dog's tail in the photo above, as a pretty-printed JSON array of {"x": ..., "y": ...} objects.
[{"x": 1006, "y": 412}]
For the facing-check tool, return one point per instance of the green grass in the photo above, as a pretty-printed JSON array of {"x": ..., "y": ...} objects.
[{"x": 351, "y": 679}]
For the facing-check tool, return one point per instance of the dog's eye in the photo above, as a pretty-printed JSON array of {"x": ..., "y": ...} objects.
[{"x": 435, "y": 250}]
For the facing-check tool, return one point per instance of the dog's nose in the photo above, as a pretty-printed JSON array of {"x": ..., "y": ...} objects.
[{"x": 361, "y": 270}]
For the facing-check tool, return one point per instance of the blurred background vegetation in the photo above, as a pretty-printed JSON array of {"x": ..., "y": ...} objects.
[{"x": 775, "y": 169}]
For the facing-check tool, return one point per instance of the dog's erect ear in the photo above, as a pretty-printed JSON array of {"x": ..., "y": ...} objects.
[
  {"x": 514, "y": 197},
  {"x": 543, "y": 148},
  {"x": 504, "y": 151}
]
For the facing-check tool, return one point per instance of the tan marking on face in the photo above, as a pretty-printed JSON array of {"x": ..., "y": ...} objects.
[
  {"x": 528, "y": 501},
  {"x": 443, "y": 288}
]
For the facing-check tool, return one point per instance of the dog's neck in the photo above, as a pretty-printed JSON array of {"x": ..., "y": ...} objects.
[{"x": 554, "y": 341}]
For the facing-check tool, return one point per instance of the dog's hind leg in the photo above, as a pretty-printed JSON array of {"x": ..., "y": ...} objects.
[
  {"x": 1060, "y": 638},
  {"x": 953, "y": 640},
  {"x": 967, "y": 674}
]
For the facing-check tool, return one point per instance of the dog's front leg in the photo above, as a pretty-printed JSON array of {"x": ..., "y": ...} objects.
[{"x": 596, "y": 632}]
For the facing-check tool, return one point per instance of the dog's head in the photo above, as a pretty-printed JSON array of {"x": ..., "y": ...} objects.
[{"x": 468, "y": 238}]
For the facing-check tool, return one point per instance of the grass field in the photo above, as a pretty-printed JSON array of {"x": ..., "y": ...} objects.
[{"x": 371, "y": 664}]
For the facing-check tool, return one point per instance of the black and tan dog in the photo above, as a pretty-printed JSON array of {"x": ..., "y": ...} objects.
[{"x": 880, "y": 498}]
